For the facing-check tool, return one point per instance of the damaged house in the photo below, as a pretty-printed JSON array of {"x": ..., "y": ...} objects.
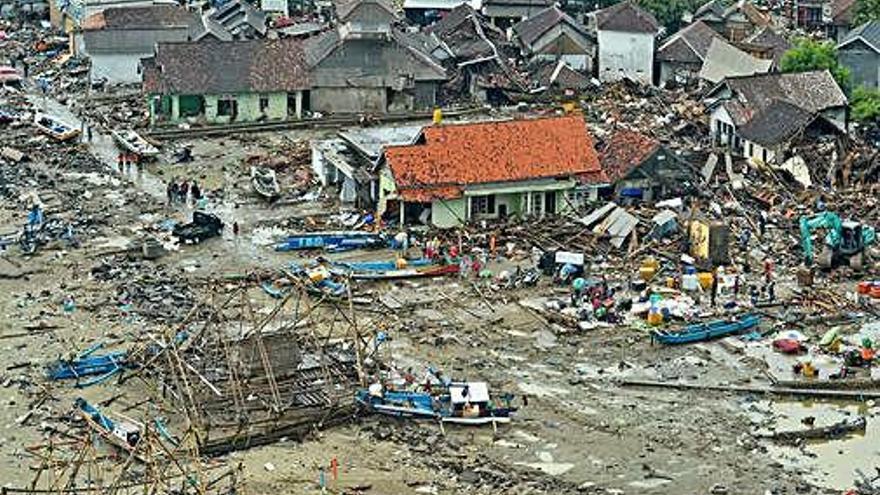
[
  {"x": 363, "y": 66},
  {"x": 506, "y": 13},
  {"x": 735, "y": 22},
  {"x": 349, "y": 162},
  {"x": 552, "y": 35},
  {"x": 736, "y": 101},
  {"x": 639, "y": 166},
  {"x": 463, "y": 172},
  {"x": 682, "y": 55}
]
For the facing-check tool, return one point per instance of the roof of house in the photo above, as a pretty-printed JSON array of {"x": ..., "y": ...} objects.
[
  {"x": 624, "y": 151},
  {"x": 345, "y": 8},
  {"x": 531, "y": 29},
  {"x": 713, "y": 10},
  {"x": 458, "y": 155},
  {"x": 725, "y": 60},
  {"x": 211, "y": 66},
  {"x": 235, "y": 19},
  {"x": 557, "y": 74},
  {"x": 518, "y": 3},
  {"x": 776, "y": 123},
  {"x": 149, "y": 17},
  {"x": 628, "y": 17},
  {"x": 868, "y": 32},
  {"x": 842, "y": 12},
  {"x": 770, "y": 38},
  {"x": 751, "y": 13},
  {"x": 690, "y": 44},
  {"x": 465, "y": 34},
  {"x": 813, "y": 91}
]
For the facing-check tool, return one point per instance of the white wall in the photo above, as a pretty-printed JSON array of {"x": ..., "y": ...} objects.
[
  {"x": 755, "y": 152},
  {"x": 117, "y": 69},
  {"x": 626, "y": 55},
  {"x": 719, "y": 114}
]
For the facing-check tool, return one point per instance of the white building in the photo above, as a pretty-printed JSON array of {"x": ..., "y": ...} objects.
[{"x": 626, "y": 36}]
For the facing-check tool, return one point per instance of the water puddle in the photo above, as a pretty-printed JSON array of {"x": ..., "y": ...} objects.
[{"x": 829, "y": 463}]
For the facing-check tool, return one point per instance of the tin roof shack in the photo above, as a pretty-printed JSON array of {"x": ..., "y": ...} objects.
[
  {"x": 475, "y": 54},
  {"x": 737, "y": 100},
  {"x": 626, "y": 43},
  {"x": 349, "y": 161},
  {"x": 118, "y": 38},
  {"x": 459, "y": 173},
  {"x": 682, "y": 55},
  {"x": 553, "y": 35},
  {"x": 640, "y": 167},
  {"x": 860, "y": 52},
  {"x": 367, "y": 65},
  {"x": 777, "y": 131},
  {"x": 220, "y": 82}
]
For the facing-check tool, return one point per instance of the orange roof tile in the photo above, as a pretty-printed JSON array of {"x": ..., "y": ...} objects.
[
  {"x": 624, "y": 151},
  {"x": 458, "y": 155}
]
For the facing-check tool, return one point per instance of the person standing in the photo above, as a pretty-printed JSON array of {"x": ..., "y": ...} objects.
[
  {"x": 196, "y": 192},
  {"x": 89, "y": 132},
  {"x": 170, "y": 191},
  {"x": 184, "y": 191}
]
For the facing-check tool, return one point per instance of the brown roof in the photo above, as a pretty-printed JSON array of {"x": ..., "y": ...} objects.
[
  {"x": 211, "y": 66},
  {"x": 624, "y": 151},
  {"x": 688, "y": 45},
  {"x": 531, "y": 29},
  {"x": 148, "y": 17},
  {"x": 628, "y": 17},
  {"x": 454, "y": 156},
  {"x": 842, "y": 12}
]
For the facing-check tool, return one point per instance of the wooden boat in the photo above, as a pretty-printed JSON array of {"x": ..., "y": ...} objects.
[
  {"x": 417, "y": 272},
  {"x": 265, "y": 182},
  {"x": 331, "y": 241},
  {"x": 54, "y": 127},
  {"x": 123, "y": 433},
  {"x": 380, "y": 266},
  {"x": 706, "y": 331},
  {"x": 133, "y": 142},
  {"x": 397, "y": 404}
]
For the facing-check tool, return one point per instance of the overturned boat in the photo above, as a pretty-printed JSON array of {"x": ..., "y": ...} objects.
[
  {"x": 332, "y": 241},
  {"x": 133, "y": 142}
]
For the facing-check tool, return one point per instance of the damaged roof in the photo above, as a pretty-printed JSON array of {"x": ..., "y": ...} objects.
[
  {"x": 628, "y": 17},
  {"x": 148, "y": 17},
  {"x": 466, "y": 35},
  {"x": 690, "y": 45},
  {"x": 769, "y": 38},
  {"x": 624, "y": 151},
  {"x": 532, "y": 28},
  {"x": 458, "y": 155},
  {"x": 724, "y": 60},
  {"x": 776, "y": 123},
  {"x": 549, "y": 74},
  {"x": 346, "y": 8},
  {"x": 211, "y": 66},
  {"x": 813, "y": 91}
]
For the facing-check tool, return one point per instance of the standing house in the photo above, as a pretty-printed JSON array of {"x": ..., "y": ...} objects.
[
  {"x": 626, "y": 43},
  {"x": 860, "y": 52},
  {"x": 466, "y": 172},
  {"x": 735, "y": 101},
  {"x": 222, "y": 82},
  {"x": 506, "y": 13},
  {"x": 427, "y": 12},
  {"x": 682, "y": 55},
  {"x": 553, "y": 35},
  {"x": 735, "y": 22},
  {"x": 641, "y": 166},
  {"x": 118, "y": 38},
  {"x": 367, "y": 65}
]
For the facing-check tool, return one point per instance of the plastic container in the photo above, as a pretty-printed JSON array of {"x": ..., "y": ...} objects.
[
  {"x": 647, "y": 272},
  {"x": 864, "y": 287},
  {"x": 705, "y": 279},
  {"x": 670, "y": 282},
  {"x": 689, "y": 282}
]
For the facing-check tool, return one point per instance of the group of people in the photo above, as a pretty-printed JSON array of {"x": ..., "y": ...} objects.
[{"x": 179, "y": 191}]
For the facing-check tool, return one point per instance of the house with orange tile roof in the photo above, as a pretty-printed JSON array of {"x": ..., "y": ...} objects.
[{"x": 458, "y": 173}]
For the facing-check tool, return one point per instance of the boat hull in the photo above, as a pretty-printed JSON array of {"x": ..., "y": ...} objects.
[{"x": 706, "y": 331}]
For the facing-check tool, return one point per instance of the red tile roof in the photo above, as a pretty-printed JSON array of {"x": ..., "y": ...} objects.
[
  {"x": 458, "y": 155},
  {"x": 624, "y": 151}
]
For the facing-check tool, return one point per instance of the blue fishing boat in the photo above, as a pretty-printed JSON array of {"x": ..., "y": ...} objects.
[
  {"x": 398, "y": 404},
  {"x": 332, "y": 241},
  {"x": 88, "y": 364},
  {"x": 318, "y": 279},
  {"x": 706, "y": 331},
  {"x": 380, "y": 266},
  {"x": 273, "y": 289},
  {"x": 123, "y": 432}
]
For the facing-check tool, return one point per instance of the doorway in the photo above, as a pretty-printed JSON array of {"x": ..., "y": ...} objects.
[{"x": 550, "y": 202}]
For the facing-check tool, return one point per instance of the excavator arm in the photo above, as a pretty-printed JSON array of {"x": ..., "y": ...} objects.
[{"x": 827, "y": 220}]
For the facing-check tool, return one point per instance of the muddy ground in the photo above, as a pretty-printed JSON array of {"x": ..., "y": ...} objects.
[{"x": 581, "y": 431}]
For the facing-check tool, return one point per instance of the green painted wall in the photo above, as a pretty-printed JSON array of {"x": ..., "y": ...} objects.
[
  {"x": 448, "y": 213},
  {"x": 248, "y": 108}
]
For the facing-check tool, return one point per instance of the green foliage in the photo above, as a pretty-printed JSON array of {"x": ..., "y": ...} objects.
[
  {"x": 866, "y": 11},
  {"x": 808, "y": 54},
  {"x": 865, "y": 104}
]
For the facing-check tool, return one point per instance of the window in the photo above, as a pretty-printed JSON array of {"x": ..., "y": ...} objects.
[
  {"x": 483, "y": 205},
  {"x": 226, "y": 107},
  {"x": 537, "y": 204},
  {"x": 264, "y": 103},
  {"x": 575, "y": 198}
]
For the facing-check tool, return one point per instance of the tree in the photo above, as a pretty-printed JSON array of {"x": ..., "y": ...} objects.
[
  {"x": 866, "y": 11},
  {"x": 865, "y": 104},
  {"x": 808, "y": 54}
]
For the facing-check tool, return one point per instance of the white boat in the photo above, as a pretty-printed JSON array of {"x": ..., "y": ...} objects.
[
  {"x": 264, "y": 182},
  {"x": 131, "y": 141},
  {"x": 55, "y": 127}
]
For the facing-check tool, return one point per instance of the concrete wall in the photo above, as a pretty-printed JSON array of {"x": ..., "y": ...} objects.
[
  {"x": 626, "y": 55},
  {"x": 862, "y": 61},
  {"x": 758, "y": 153},
  {"x": 117, "y": 69},
  {"x": 448, "y": 213},
  {"x": 348, "y": 100},
  {"x": 248, "y": 108}
]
